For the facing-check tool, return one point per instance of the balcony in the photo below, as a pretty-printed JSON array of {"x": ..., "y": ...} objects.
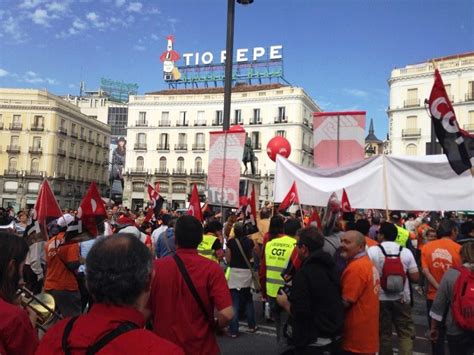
[
  {"x": 97, "y": 162},
  {"x": 1, "y": 125},
  {"x": 163, "y": 147},
  {"x": 470, "y": 96},
  {"x": 181, "y": 147},
  {"x": 59, "y": 175},
  {"x": 179, "y": 189},
  {"x": 138, "y": 171},
  {"x": 199, "y": 146},
  {"x": 37, "y": 128},
  {"x": 16, "y": 126},
  {"x": 281, "y": 119},
  {"x": 10, "y": 172},
  {"x": 141, "y": 123},
  {"x": 35, "y": 150},
  {"x": 179, "y": 172},
  {"x": 90, "y": 160},
  {"x": 162, "y": 172},
  {"x": 74, "y": 134},
  {"x": 307, "y": 149},
  {"x": 182, "y": 124},
  {"x": 257, "y": 146},
  {"x": 200, "y": 123},
  {"x": 411, "y": 133},
  {"x": 61, "y": 152},
  {"x": 98, "y": 143},
  {"x": 83, "y": 138},
  {"x": 13, "y": 149},
  {"x": 62, "y": 130},
  {"x": 216, "y": 123},
  {"x": 81, "y": 157},
  {"x": 35, "y": 174},
  {"x": 469, "y": 127},
  {"x": 139, "y": 146},
  {"x": 411, "y": 103},
  {"x": 197, "y": 172},
  {"x": 72, "y": 155},
  {"x": 164, "y": 123},
  {"x": 255, "y": 120}
]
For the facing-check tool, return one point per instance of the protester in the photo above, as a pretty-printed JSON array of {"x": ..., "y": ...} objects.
[
  {"x": 35, "y": 263},
  {"x": 332, "y": 241},
  {"x": 460, "y": 341},
  {"x": 162, "y": 223},
  {"x": 177, "y": 314},
  {"x": 395, "y": 308},
  {"x": 363, "y": 226},
  {"x": 437, "y": 257},
  {"x": 466, "y": 232},
  {"x": 165, "y": 244},
  {"x": 119, "y": 277},
  {"x": 405, "y": 238},
  {"x": 211, "y": 245},
  {"x": 263, "y": 225},
  {"x": 316, "y": 317},
  {"x": 22, "y": 223},
  {"x": 360, "y": 290},
  {"x": 239, "y": 278},
  {"x": 374, "y": 227},
  {"x": 17, "y": 332}
]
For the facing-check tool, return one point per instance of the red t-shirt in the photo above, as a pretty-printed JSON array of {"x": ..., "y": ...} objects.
[
  {"x": 176, "y": 314},
  {"x": 100, "y": 320},
  {"x": 17, "y": 335}
]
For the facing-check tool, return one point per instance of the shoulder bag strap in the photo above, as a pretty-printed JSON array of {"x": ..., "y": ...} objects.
[
  {"x": 191, "y": 287},
  {"x": 67, "y": 331},
  {"x": 254, "y": 277},
  {"x": 107, "y": 338}
]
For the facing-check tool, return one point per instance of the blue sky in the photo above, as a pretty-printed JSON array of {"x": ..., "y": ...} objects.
[{"x": 340, "y": 52}]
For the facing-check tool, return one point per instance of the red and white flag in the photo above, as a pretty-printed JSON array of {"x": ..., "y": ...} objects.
[
  {"x": 46, "y": 208},
  {"x": 345, "y": 204},
  {"x": 156, "y": 202},
  {"x": 251, "y": 213},
  {"x": 195, "y": 205},
  {"x": 290, "y": 199},
  {"x": 314, "y": 217},
  {"x": 92, "y": 210}
]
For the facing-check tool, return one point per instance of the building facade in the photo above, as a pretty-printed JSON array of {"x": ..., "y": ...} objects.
[
  {"x": 409, "y": 122},
  {"x": 42, "y": 136},
  {"x": 168, "y": 136}
]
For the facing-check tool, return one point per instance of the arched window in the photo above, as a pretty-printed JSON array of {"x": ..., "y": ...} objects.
[
  {"x": 12, "y": 164},
  {"x": 140, "y": 164},
  {"x": 180, "y": 166},
  {"x": 163, "y": 164},
  {"x": 198, "y": 165},
  {"x": 34, "y": 165},
  {"x": 411, "y": 149}
]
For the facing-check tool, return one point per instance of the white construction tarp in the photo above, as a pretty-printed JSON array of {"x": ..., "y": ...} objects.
[{"x": 420, "y": 183}]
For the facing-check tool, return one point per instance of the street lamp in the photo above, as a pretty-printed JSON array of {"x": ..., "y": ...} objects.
[{"x": 229, "y": 51}]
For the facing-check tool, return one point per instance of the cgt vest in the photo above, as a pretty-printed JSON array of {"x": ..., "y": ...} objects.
[
  {"x": 402, "y": 237},
  {"x": 205, "y": 248},
  {"x": 277, "y": 254}
]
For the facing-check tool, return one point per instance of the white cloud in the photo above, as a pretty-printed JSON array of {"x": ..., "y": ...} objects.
[
  {"x": 95, "y": 20},
  {"x": 154, "y": 37},
  {"x": 79, "y": 25},
  {"x": 30, "y": 4},
  {"x": 357, "y": 93},
  {"x": 58, "y": 6},
  {"x": 3, "y": 73},
  {"x": 135, "y": 7},
  {"x": 40, "y": 17},
  {"x": 154, "y": 11},
  {"x": 33, "y": 78},
  {"x": 119, "y": 3},
  {"x": 139, "y": 48},
  {"x": 12, "y": 28},
  {"x": 72, "y": 86}
]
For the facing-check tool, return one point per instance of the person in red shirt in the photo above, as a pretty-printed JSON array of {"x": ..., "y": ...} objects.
[
  {"x": 17, "y": 333},
  {"x": 177, "y": 315},
  {"x": 119, "y": 277}
]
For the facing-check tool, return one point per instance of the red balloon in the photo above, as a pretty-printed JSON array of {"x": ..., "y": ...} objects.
[{"x": 278, "y": 145}]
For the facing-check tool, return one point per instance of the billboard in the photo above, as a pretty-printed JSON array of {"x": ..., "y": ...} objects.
[{"x": 338, "y": 138}]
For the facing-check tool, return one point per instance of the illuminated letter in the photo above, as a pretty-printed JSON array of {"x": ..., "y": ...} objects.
[
  {"x": 241, "y": 55},
  {"x": 275, "y": 52},
  {"x": 223, "y": 57},
  {"x": 258, "y": 52},
  {"x": 196, "y": 62},
  {"x": 186, "y": 57},
  {"x": 207, "y": 58}
]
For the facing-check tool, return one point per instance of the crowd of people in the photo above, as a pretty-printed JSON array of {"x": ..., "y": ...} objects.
[{"x": 169, "y": 285}]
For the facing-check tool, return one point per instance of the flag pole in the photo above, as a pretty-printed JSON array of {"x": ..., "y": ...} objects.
[
  {"x": 385, "y": 185},
  {"x": 301, "y": 214}
]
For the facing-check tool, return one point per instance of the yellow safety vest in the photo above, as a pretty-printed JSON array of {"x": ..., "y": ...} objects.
[
  {"x": 277, "y": 254},
  {"x": 402, "y": 237},
  {"x": 205, "y": 248}
]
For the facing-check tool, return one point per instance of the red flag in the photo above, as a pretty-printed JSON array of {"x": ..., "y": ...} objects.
[
  {"x": 345, "y": 204},
  {"x": 290, "y": 198},
  {"x": 92, "y": 210},
  {"x": 157, "y": 202},
  {"x": 46, "y": 207},
  {"x": 315, "y": 218},
  {"x": 195, "y": 205},
  {"x": 458, "y": 145}
]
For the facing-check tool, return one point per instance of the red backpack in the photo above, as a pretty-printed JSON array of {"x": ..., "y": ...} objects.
[
  {"x": 462, "y": 305},
  {"x": 393, "y": 275}
]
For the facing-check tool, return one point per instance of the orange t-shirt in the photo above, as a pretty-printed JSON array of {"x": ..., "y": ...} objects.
[
  {"x": 438, "y": 256},
  {"x": 58, "y": 276},
  {"x": 360, "y": 286},
  {"x": 370, "y": 242}
]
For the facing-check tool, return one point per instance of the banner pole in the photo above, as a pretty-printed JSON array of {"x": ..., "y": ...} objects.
[
  {"x": 301, "y": 215},
  {"x": 223, "y": 177},
  {"x": 385, "y": 188}
]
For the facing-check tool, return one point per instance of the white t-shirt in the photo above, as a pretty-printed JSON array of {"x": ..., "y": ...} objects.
[
  {"x": 408, "y": 262},
  {"x": 156, "y": 233}
]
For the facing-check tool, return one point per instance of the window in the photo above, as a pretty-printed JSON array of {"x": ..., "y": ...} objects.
[
  {"x": 200, "y": 139},
  {"x": 73, "y": 128},
  {"x": 180, "y": 165},
  {"x": 140, "y": 163},
  {"x": 411, "y": 149},
  {"x": 219, "y": 117},
  {"x": 81, "y": 150},
  {"x": 90, "y": 136},
  {"x": 201, "y": 121},
  {"x": 281, "y": 133},
  {"x": 61, "y": 144},
  {"x": 79, "y": 171},
  {"x": 83, "y": 135},
  {"x": 198, "y": 165},
  {"x": 38, "y": 121},
  {"x": 238, "y": 116},
  {"x": 256, "y": 116},
  {"x": 164, "y": 141},
  {"x": 63, "y": 124},
  {"x": 162, "y": 164},
  {"x": 16, "y": 119},
  {"x": 142, "y": 117},
  {"x": 165, "y": 121},
  {"x": 412, "y": 98},
  {"x": 70, "y": 171},
  {"x": 182, "y": 119},
  {"x": 141, "y": 138},
  {"x": 182, "y": 139},
  {"x": 256, "y": 140},
  {"x": 12, "y": 162},
  {"x": 411, "y": 122},
  {"x": 72, "y": 148},
  {"x": 34, "y": 165},
  {"x": 470, "y": 87},
  {"x": 36, "y": 142},
  {"x": 14, "y": 141},
  {"x": 281, "y": 114}
]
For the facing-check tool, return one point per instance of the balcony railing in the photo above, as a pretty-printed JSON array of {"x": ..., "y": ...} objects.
[
  {"x": 200, "y": 123},
  {"x": 216, "y": 123},
  {"x": 179, "y": 171},
  {"x": 37, "y": 127},
  {"x": 83, "y": 138},
  {"x": 139, "y": 146},
  {"x": 470, "y": 96},
  {"x": 13, "y": 148},
  {"x": 181, "y": 124},
  {"x": 469, "y": 127},
  {"x": 141, "y": 123},
  {"x": 255, "y": 120},
  {"x": 1, "y": 125},
  {"x": 163, "y": 147},
  {"x": 164, "y": 123},
  {"x": 61, "y": 152},
  {"x": 35, "y": 174},
  {"x": 35, "y": 150},
  {"x": 179, "y": 189},
  {"x": 16, "y": 126},
  {"x": 181, "y": 147},
  {"x": 74, "y": 134},
  {"x": 72, "y": 155},
  {"x": 197, "y": 172},
  {"x": 199, "y": 146},
  {"x": 411, "y": 132},
  {"x": 81, "y": 157},
  {"x": 411, "y": 103},
  {"x": 257, "y": 146},
  {"x": 10, "y": 172},
  {"x": 281, "y": 119},
  {"x": 90, "y": 160},
  {"x": 138, "y": 170},
  {"x": 161, "y": 172},
  {"x": 62, "y": 130},
  {"x": 307, "y": 149}
]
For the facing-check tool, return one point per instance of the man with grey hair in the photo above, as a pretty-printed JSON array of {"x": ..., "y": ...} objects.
[{"x": 360, "y": 294}]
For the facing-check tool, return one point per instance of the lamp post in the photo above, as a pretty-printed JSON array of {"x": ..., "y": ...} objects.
[{"x": 229, "y": 52}]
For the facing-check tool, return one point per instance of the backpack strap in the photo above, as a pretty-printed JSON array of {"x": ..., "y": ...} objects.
[
  {"x": 107, "y": 338},
  {"x": 390, "y": 255},
  {"x": 67, "y": 331}
]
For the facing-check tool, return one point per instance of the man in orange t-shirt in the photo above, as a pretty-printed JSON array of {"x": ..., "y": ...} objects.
[
  {"x": 360, "y": 293},
  {"x": 62, "y": 262},
  {"x": 437, "y": 257}
]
